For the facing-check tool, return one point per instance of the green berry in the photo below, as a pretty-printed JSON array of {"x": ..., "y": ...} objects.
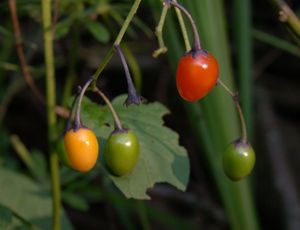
[
  {"x": 122, "y": 152},
  {"x": 238, "y": 160}
]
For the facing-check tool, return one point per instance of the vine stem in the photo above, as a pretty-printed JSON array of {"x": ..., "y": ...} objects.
[
  {"x": 51, "y": 99},
  {"x": 77, "y": 113},
  {"x": 235, "y": 98},
  {"x": 118, "y": 40},
  {"x": 197, "y": 43},
  {"x": 118, "y": 124}
]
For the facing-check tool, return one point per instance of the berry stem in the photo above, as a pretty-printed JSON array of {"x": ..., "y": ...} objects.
[
  {"x": 118, "y": 124},
  {"x": 77, "y": 123},
  {"x": 69, "y": 122},
  {"x": 130, "y": 85},
  {"x": 235, "y": 98},
  {"x": 158, "y": 32},
  {"x": 183, "y": 29},
  {"x": 133, "y": 97},
  {"x": 197, "y": 43}
]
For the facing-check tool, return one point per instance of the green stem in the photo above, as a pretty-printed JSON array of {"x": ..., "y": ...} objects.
[
  {"x": 235, "y": 98},
  {"x": 183, "y": 28},
  {"x": 158, "y": 32},
  {"x": 287, "y": 16},
  {"x": 118, "y": 40},
  {"x": 197, "y": 42},
  {"x": 51, "y": 99},
  {"x": 118, "y": 124},
  {"x": 243, "y": 40}
]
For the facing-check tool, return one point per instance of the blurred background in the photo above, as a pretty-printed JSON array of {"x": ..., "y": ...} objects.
[{"x": 258, "y": 56}]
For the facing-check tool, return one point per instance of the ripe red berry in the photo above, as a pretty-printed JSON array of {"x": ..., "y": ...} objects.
[{"x": 197, "y": 73}]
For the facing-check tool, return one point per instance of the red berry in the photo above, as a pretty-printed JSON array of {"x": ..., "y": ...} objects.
[{"x": 197, "y": 73}]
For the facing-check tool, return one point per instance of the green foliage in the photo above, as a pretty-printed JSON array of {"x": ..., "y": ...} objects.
[
  {"x": 27, "y": 199},
  {"x": 161, "y": 158},
  {"x": 98, "y": 30},
  {"x": 5, "y": 217}
]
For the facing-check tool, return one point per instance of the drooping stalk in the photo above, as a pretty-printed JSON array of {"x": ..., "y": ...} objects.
[
  {"x": 51, "y": 101},
  {"x": 118, "y": 124},
  {"x": 77, "y": 122},
  {"x": 133, "y": 97},
  {"x": 235, "y": 98}
]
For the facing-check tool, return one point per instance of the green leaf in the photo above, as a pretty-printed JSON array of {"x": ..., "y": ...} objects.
[
  {"x": 5, "y": 217},
  {"x": 161, "y": 157},
  {"x": 24, "y": 196},
  {"x": 62, "y": 28},
  {"x": 75, "y": 201},
  {"x": 98, "y": 30}
]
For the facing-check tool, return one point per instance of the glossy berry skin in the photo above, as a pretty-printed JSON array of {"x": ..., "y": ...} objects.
[
  {"x": 122, "y": 152},
  {"x": 197, "y": 73},
  {"x": 238, "y": 160},
  {"x": 81, "y": 147}
]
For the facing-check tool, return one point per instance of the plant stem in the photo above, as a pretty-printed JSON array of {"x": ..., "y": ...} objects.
[
  {"x": 20, "y": 51},
  {"x": 235, "y": 98},
  {"x": 183, "y": 29},
  {"x": 51, "y": 99},
  {"x": 130, "y": 85},
  {"x": 118, "y": 40},
  {"x": 134, "y": 67},
  {"x": 197, "y": 43},
  {"x": 118, "y": 124},
  {"x": 71, "y": 114},
  {"x": 77, "y": 124},
  {"x": 243, "y": 40},
  {"x": 287, "y": 16},
  {"x": 24, "y": 67},
  {"x": 158, "y": 32}
]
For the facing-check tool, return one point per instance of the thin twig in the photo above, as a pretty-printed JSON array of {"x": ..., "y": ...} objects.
[
  {"x": 158, "y": 32},
  {"x": 118, "y": 124},
  {"x": 287, "y": 16},
  {"x": 235, "y": 98},
  {"x": 25, "y": 68}
]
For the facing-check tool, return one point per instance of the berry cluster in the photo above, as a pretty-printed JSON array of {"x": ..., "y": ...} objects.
[
  {"x": 197, "y": 74},
  {"x": 122, "y": 147}
]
